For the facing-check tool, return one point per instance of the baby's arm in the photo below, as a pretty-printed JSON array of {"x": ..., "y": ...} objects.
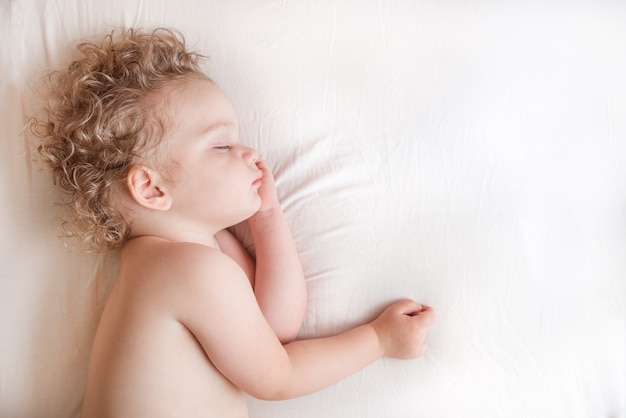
[
  {"x": 240, "y": 343},
  {"x": 399, "y": 332},
  {"x": 279, "y": 283}
]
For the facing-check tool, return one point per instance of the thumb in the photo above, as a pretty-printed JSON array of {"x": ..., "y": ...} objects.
[{"x": 426, "y": 316}]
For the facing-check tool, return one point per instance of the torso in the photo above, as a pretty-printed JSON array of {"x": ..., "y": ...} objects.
[{"x": 145, "y": 362}]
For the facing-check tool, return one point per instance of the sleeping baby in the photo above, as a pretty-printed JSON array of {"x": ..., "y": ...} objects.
[{"x": 145, "y": 150}]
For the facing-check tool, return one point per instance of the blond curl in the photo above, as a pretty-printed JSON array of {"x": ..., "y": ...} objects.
[{"x": 100, "y": 115}]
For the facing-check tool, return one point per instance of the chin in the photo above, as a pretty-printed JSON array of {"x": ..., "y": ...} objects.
[
  {"x": 253, "y": 209},
  {"x": 257, "y": 205}
]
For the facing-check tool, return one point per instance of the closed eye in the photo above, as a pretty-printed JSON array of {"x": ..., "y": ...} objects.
[{"x": 223, "y": 147}]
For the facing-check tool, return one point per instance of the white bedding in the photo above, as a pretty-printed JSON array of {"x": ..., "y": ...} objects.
[{"x": 468, "y": 154}]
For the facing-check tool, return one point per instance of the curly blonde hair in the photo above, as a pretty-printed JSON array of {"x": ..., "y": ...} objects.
[{"x": 101, "y": 114}]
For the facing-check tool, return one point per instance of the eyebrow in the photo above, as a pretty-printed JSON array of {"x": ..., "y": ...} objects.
[
  {"x": 206, "y": 133},
  {"x": 215, "y": 126},
  {"x": 208, "y": 130}
]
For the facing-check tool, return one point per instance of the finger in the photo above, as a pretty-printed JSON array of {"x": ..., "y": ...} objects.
[
  {"x": 426, "y": 316},
  {"x": 407, "y": 307},
  {"x": 262, "y": 165}
]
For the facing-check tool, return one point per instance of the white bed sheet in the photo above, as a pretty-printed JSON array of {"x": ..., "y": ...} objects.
[{"x": 468, "y": 154}]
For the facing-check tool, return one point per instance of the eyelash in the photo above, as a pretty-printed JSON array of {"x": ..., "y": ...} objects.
[{"x": 223, "y": 147}]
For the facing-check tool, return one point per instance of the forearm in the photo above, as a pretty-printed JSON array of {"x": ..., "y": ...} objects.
[
  {"x": 318, "y": 363},
  {"x": 279, "y": 283},
  {"x": 258, "y": 364}
]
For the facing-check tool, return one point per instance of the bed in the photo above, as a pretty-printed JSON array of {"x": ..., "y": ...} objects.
[{"x": 468, "y": 154}]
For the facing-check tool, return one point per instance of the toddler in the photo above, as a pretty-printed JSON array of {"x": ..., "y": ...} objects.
[{"x": 145, "y": 148}]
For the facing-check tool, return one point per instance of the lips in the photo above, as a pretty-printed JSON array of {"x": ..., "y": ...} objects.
[{"x": 258, "y": 180}]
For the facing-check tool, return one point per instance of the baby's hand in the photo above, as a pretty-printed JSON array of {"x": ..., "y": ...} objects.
[
  {"x": 401, "y": 329},
  {"x": 267, "y": 190}
]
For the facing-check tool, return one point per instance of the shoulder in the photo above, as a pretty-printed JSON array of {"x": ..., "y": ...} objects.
[
  {"x": 200, "y": 287},
  {"x": 182, "y": 272},
  {"x": 165, "y": 256}
]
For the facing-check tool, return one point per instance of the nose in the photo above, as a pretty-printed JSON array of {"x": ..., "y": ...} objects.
[{"x": 250, "y": 155}]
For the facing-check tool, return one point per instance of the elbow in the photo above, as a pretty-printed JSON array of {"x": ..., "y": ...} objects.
[
  {"x": 269, "y": 395},
  {"x": 287, "y": 335},
  {"x": 287, "y": 327}
]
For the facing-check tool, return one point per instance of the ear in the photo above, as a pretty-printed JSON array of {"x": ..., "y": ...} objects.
[{"x": 146, "y": 187}]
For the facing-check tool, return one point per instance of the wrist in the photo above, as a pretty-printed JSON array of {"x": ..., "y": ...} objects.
[
  {"x": 376, "y": 332},
  {"x": 263, "y": 214}
]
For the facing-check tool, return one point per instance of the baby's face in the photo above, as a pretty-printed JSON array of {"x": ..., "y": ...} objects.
[{"x": 215, "y": 179}]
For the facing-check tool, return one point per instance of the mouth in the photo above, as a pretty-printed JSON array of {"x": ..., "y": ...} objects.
[{"x": 258, "y": 180}]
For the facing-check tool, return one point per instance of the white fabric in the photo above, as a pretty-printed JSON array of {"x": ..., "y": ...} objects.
[{"x": 468, "y": 154}]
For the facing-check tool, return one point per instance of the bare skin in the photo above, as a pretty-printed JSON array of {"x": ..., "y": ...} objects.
[
  {"x": 192, "y": 322},
  {"x": 145, "y": 362}
]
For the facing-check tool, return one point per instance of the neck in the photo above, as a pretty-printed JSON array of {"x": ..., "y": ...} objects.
[{"x": 166, "y": 226}]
